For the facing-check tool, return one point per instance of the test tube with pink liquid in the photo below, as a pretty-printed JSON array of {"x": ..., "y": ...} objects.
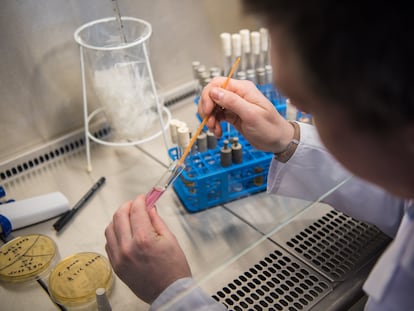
[{"x": 173, "y": 171}]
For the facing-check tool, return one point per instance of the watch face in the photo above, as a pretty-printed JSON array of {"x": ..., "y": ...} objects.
[
  {"x": 74, "y": 280},
  {"x": 26, "y": 258}
]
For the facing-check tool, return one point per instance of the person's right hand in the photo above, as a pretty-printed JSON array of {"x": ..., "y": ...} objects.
[
  {"x": 248, "y": 110},
  {"x": 143, "y": 251}
]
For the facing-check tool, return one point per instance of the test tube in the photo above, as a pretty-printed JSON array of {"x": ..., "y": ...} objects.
[
  {"x": 214, "y": 72},
  {"x": 236, "y": 151},
  {"x": 204, "y": 79},
  {"x": 201, "y": 69},
  {"x": 236, "y": 46},
  {"x": 211, "y": 140},
  {"x": 226, "y": 46},
  {"x": 264, "y": 46},
  {"x": 173, "y": 171},
  {"x": 268, "y": 74},
  {"x": 102, "y": 300},
  {"x": 225, "y": 154},
  {"x": 246, "y": 55},
  {"x": 261, "y": 76},
  {"x": 251, "y": 75},
  {"x": 202, "y": 142},
  {"x": 255, "y": 41},
  {"x": 241, "y": 75},
  {"x": 174, "y": 124},
  {"x": 183, "y": 136},
  {"x": 195, "y": 65}
]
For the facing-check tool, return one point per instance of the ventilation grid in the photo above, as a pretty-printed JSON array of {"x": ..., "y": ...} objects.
[
  {"x": 278, "y": 282},
  {"x": 336, "y": 244},
  {"x": 180, "y": 93},
  {"x": 179, "y": 98},
  {"x": 48, "y": 154}
]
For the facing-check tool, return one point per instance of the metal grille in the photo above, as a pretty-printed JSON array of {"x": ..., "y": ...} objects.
[
  {"x": 277, "y": 282},
  {"x": 180, "y": 93},
  {"x": 48, "y": 153},
  {"x": 336, "y": 244}
]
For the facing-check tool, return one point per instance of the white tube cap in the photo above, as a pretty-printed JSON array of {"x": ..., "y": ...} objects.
[
  {"x": 255, "y": 40},
  {"x": 226, "y": 43},
  {"x": 236, "y": 44}
]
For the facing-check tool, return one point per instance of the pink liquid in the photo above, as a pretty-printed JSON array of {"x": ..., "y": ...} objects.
[{"x": 152, "y": 196}]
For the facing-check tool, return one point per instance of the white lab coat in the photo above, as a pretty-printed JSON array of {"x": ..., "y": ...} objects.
[{"x": 309, "y": 175}]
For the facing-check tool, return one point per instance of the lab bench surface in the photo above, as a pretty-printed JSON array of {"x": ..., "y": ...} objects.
[{"x": 221, "y": 243}]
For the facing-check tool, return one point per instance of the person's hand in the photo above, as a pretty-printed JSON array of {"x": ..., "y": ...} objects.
[
  {"x": 143, "y": 251},
  {"x": 250, "y": 112}
]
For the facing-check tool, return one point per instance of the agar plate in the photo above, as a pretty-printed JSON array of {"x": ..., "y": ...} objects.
[
  {"x": 74, "y": 280},
  {"x": 26, "y": 258}
]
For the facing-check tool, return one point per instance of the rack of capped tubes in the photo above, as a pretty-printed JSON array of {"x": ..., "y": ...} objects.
[
  {"x": 217, "y": 170},
  {"x": 253, "y": 49}
]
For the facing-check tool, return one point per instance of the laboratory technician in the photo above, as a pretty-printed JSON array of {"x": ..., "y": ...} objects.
[{"x": 350, "y": 65}]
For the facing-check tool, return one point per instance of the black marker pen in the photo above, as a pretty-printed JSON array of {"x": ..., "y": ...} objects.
[{"x": 61, "y": 222}]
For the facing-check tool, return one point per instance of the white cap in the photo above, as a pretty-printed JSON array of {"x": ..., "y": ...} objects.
[
  {"x": 264, "y": 39},
  {"x": 226, "y": 43},
  {"x": 183, "y": 136},
  {"x": 255, "y": 40},
  {"x": 174, "y": 124},
  {"x": 236, "y": 44},
  {"x": 245, "y": 39}
]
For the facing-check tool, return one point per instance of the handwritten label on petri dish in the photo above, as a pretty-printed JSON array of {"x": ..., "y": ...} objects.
[
  {"x": 26, "y": 257},
  {"x": 74, "y": 280}
]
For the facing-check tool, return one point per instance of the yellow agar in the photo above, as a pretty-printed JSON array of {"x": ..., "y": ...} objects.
[
  {"x": 26, "y": 258},
  {"x": 74, "y": 280}
]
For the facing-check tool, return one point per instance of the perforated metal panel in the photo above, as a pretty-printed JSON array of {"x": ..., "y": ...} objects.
[
  {"x": 277, "y": 282},
  {"x": 314, "y": 253},
  {"x": 49, "y": 152},
  {"x": 336, "y": 244}
]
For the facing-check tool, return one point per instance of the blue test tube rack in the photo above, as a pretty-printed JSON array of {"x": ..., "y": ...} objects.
[{"x": 204, "y": 183}]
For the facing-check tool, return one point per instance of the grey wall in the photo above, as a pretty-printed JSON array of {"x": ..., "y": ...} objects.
[{"x": 40, "y": 85}]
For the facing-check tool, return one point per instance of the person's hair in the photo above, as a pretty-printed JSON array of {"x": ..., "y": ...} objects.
[{"x": 357, "y": 54}]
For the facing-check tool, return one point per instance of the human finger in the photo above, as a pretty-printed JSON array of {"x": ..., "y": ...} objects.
[
  {"x": 243, "y": 88},
  {"x": 158, "y": 223},
  {"x": 139, "y": 218},
  {"x": 206, "y": 104},
  {"x": 233, "y": 105},
  {"x": 112, "y": 244},
  {"x": 121, "y": 224},
  {"x": 110, "y": 253}
]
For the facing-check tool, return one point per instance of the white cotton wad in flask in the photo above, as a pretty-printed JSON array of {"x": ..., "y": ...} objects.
[{"x": 22, "y": 213}]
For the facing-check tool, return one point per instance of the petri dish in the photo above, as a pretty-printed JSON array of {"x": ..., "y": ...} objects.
[
  {"x": 74, "y": 280},
  {"x": 26, "y": 258}
]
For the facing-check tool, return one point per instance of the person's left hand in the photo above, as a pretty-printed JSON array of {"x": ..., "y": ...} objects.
[{"x": 143, "y": 251}]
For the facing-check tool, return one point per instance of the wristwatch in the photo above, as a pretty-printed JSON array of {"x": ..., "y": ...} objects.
[{"x": 286, "y": 153}]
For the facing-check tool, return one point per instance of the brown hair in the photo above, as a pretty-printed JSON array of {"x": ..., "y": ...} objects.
[{"x": 357, "y": 53}]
